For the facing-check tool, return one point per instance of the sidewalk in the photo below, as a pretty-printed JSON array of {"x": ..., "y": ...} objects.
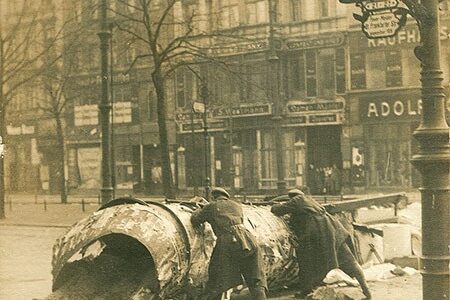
[{"x": 47, "y": 211}]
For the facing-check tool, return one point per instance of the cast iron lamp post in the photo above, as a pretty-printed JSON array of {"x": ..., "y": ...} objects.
[
  {"x": 105, "y": 106},
  {"x": 433, "y": 157}
]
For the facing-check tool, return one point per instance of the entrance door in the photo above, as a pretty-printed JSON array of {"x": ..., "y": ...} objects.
[
  {"x": 324, "y": 159},
  {"x": 152, "y": 170}
]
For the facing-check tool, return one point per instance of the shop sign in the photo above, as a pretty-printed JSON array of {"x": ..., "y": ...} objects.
[
  {"x": 253, "y": 46},
  {"x": 372, "y": 110},
  {"x": 243, "y": 111},
  {"x": 409, "y": 35},
  {"x": 235, "y": 112},
  {"x": 19, "y": 130},
  {"x": 319, "y": 42},
  {"x": 315, "y": 119},
  {"x": 296, "y": 108},
  {"x": 86, "y": 115},
  {"x": 198, "y": 127},
  {"x": 122, "y": 112}
]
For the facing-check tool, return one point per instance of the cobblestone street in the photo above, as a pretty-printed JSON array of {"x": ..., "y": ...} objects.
[{"x": 25, "y": 261}]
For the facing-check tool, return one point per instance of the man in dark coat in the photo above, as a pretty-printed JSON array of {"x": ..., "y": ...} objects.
[
  {"x": 323, "y": 242},
  {"x": 236, "y": 252}
]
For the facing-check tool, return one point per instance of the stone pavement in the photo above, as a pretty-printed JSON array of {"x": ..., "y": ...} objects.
[{"x": 25, "y": 250}]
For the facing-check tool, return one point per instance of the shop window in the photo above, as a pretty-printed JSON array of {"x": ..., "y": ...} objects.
[
  {"x": 295, "y": 10},
  {"x": 376, "y": 66},
  {"x": 389, "y": 152},
  {"x": 268, "y": 161},
  {"x": 311, "y": 74},
  {"x": 393, "y": 68},
  {"x": 358, "y": 71}
]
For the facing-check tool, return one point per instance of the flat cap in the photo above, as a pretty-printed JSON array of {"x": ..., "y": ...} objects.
[
  {"x": 218, "y": 191},
  {"x": 295, "y": 192}
]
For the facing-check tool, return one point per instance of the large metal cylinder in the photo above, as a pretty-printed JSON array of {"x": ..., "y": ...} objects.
[{"x": 179, "y": 256}]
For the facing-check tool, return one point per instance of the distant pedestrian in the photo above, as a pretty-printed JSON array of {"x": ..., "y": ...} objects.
[
  {"x": 323, "y": 242},
  {"x": 236, "y": 253}
]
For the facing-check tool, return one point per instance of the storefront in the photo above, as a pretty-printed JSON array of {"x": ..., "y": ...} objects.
[
  {"x": 389, "y": 120},
  {"x": 313, "y": 142}
]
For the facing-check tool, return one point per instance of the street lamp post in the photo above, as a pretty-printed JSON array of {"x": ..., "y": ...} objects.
[
  {"x": 433, "y": 157},
  {"x": 105, "y": 106},
  {"x": 204, "y": 96},
  {"x": 274, "y": 73}
]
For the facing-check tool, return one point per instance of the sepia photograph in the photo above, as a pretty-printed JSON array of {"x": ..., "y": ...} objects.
[{"x": 224, "y": 149}]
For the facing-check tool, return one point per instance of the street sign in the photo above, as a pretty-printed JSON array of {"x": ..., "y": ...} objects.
[
  {"x": 198, "y": 107},
  {"x": 380, "y": 19},
  {"x": 382, "y": 24}
]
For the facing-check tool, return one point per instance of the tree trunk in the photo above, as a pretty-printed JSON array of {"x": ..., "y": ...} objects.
[
  {"x": 2, "y": 160},
  {"x": 158, "y": 82},
  {"x": 2, "y": 130},
  {"x": 61, "y": 158}
]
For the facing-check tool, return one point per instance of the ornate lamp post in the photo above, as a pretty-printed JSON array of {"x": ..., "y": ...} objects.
[
  {"x": 433, "y": 158},
  {"x": 105, "y": 106}
]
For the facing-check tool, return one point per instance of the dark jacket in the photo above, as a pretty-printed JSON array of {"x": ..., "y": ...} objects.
[
  {"x": 236, "y": 251},
  {"x": 320, "y": 236}
]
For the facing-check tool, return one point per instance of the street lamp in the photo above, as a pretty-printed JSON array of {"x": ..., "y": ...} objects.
[
  {"x": 204, "y": 97},
  {"x": 105, "y": 106},
  {"x": 433, "y": 158}
]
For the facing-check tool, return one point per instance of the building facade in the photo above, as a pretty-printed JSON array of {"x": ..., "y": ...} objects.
[{"x": 297, "y": 83}]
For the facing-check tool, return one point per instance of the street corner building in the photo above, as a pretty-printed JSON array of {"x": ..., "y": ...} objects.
[{"x": 305, "y": 98}]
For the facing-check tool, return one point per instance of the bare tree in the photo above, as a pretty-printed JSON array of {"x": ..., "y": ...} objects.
[
  {"x": 56, "y": 82},
  {"x": 170, "y": 35},
  {"x": 29, "y": 31}
]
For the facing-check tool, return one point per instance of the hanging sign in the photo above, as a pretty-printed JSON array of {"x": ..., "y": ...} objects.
[{"x": 380, "y": 19}]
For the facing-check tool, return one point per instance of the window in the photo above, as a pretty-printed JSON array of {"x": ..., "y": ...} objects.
[
  {"x": 324, "y": 8},
  {"x": 255, "y": 82},
  {"x": 257, "y": 12},
  {"x": 326, "y": 72},
  {"x": 376, "y": 66},
  {"x": 296, "y": 76},
  {"x": 268, "y": 160},
  {"x": 311, "y": 74},
  {"x": 393, "y": 68},
  {"x": 410, "y": 67},
  {"x": 185, "y": 87},
  {"x": 340, "y": 71},
  {"x": 295, "y": 10},
  {"x": 229, "y": 13},
  {"x": 358, "y": 71}
]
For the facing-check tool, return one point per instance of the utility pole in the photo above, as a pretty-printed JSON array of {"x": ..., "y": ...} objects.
[
  {"x": 105, "y": 106},
  {"x": 433, "y": 158},
  {"x": 274, "y": 73}
]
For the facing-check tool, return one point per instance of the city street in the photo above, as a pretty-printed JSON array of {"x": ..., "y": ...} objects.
[
  {"x": 25, "y": 256},
  {"x": 25, "y": 261}
]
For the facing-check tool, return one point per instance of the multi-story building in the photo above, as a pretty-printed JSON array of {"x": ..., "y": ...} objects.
[
  {"x": 26, "y": 28},
  {"x": 301, "y": 72}
]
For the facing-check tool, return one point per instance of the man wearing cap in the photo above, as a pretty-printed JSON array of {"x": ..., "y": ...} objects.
[
  {"x": 323, "y": 242},
  {"x": 236, "y": 252}
]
